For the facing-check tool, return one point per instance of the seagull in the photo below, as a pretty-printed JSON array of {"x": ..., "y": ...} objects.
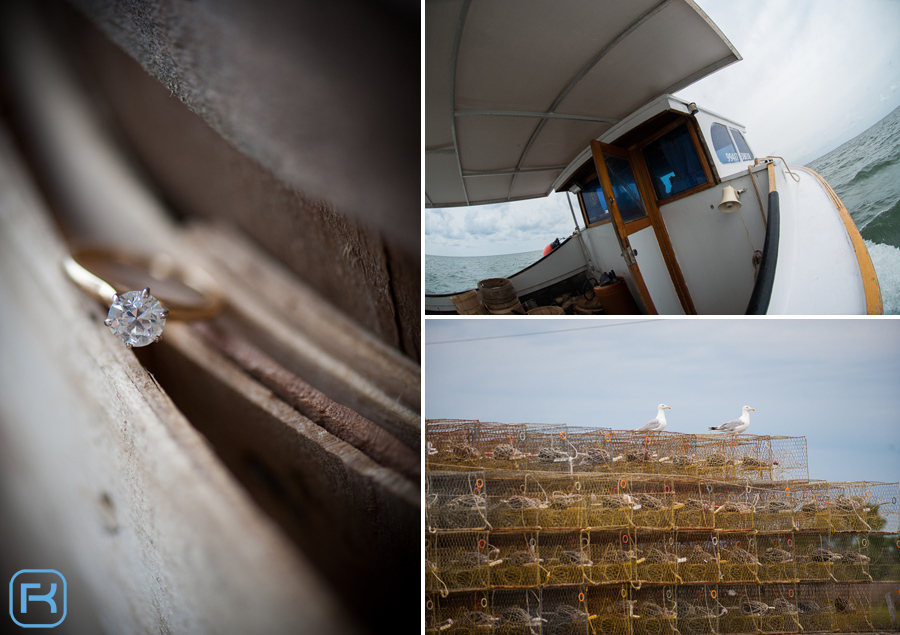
[
  {"x": 738, "y": 425},
  {"x": 658, "y": 424}
]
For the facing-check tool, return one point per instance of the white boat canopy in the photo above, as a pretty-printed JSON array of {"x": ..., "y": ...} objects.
[{"x": 516, "y": 89}]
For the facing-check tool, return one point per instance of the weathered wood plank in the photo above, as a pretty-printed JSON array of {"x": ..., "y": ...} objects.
[
  {"x": 311, "y": 338},
  {"x": 133, "y": 463},
  {"x": 365, "y": 260},
  {"x": 162, "y": 533},
  {"x": 312, "y": 91},
  {"x": 357, "y": 520}
]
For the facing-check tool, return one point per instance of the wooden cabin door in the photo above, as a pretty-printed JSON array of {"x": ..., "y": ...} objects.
[{"x": 629, "y": 212}]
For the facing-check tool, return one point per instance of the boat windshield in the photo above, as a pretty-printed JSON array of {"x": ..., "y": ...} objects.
[
  {"x": 594, "y": 202},
  {"x": 625, "y": 188},
  {"x": 673, "y": 163}
]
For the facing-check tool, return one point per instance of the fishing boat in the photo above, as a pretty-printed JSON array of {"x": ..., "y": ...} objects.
[{"x": 670, "y": 203}]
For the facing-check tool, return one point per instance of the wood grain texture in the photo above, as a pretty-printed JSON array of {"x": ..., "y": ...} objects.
[
  {"x": 370, "y": 439},
  {"x": 309, "y": 337},
  {"x": 310, "y": 90},
  {"x": 108, "y": 475},
  {"x": 193, "y": 499},
  {"x": 356, "y": 520},
  {"x": 360, "y": 263}
]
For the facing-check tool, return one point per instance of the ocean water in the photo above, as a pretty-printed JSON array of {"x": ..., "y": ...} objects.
[
  {"x": 864, "y": 172},
  {"x": 452, "y": 274}
]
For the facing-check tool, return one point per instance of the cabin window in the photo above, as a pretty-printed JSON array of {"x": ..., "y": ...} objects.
[
  {"x": 673, "y": 163},
  {"x": 625, "y": 190},
  {"x": 594, "y": 203},
  {"x": 725, "y": 146},
  {"x": 742, "y": 146}
]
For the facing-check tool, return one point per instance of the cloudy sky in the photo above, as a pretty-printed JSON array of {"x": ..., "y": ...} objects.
[
  {"x": 814, "y": 74},
  {"x": 833, "y": 381}
]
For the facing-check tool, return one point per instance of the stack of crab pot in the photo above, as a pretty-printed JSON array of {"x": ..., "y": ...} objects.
[{"x": 545, "y": 529}]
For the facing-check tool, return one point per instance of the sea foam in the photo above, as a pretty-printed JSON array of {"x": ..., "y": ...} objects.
[{"x": 886, "y": 259}]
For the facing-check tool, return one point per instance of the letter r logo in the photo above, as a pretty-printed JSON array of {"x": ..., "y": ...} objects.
[
  {"x": 37, "y": 598},
  {"x": 48, "y": 598}
]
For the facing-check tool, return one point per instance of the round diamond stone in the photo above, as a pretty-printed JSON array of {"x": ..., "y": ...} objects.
[{"x": 136, "y": 318}]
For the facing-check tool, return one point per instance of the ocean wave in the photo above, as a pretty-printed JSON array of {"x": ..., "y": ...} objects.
[
  {"x": 872, "y": 169},
  {"x": 884, "y": 226}
]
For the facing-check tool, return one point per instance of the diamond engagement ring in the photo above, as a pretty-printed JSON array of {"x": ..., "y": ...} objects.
[{"x": 136, "y": 317}]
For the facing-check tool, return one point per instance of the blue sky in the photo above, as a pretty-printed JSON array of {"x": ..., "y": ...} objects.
[
  {"x": 833, "y": 381},
  {"x": 814, "y": 74}
]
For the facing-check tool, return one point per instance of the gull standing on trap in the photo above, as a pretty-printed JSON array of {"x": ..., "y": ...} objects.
[
  {"x": 658, "y": 424},
  {"x": 737, "y": 425}
]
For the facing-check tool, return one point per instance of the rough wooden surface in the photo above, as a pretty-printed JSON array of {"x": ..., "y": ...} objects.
[
  {"x": 309, "y": 337},
  {"x": 314, "y": 91},
  {"x": 218, "y": 506},
  {"x": 356, "y": 520},
  {"x": 98, "y": 467},
  {"x": 349, "y": 426},
  {"x": 356, "y": 261}
]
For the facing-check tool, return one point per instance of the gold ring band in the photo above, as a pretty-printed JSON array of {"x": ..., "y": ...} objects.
[
  {"x": 159, "y": 267},
  {"x": 136, "y": 317}
]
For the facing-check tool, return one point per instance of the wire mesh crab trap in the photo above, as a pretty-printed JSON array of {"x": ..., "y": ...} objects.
[
  {"x": 863, "y": 506},
  {"x": 778, "y": 609},
  {"x": 733, "y": 504},
  {"x": 775, "y": 553},
  {"x": 698, "y": 556},
  {"x": 565, "y": 502},
  {"x": 565, "y": 555},
  {"x": 654, "y": 610},
  {"x": 540, "y": 529},
  {"x": 852, "y": 557},
  {"x": 773, "y": 508},
  {"x": 463, "y": 561},
  {"x": 654, "y": 502},
  {"x": 460, "y": 614},
  {"x": 590, "y": 447},
  {"x": 851, "y": 608},
  {"x": 611, "y": 609},
  {"x": 743, "y": 609},
  {"x": 738, "y": 559},
  {"x": 431, "y": 614},
  {"x": 520, "y": 565},
  {"x": 813, "y": 556},
  {"x": 884, "y": 557},
  {"x": 693, "y": 507},
  {"x": 657, "y": 557},
  {"x": 518, "y": 612},
  {"x": 749, "y": 457},
  {"x": 452, "y": 444},
  {"x": 433, "y": 581},
  {"x": 698, "y": 609},
  {"x": 565, "y": 611},
  {"x": 455, "y": 500},
  {"x": 814, "y": 609},
  {"x": 503, "y": 446},
  {"x": 608, "y": 503},
  {"x": 853, "y": 505},
  {"x": 811, "y": 510},
  {"x": 633, "y": 453},
  {"x": 612, "y": 555},
  {"x": 515, "y": 500},
  {"x": 547, "y": 448}
]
